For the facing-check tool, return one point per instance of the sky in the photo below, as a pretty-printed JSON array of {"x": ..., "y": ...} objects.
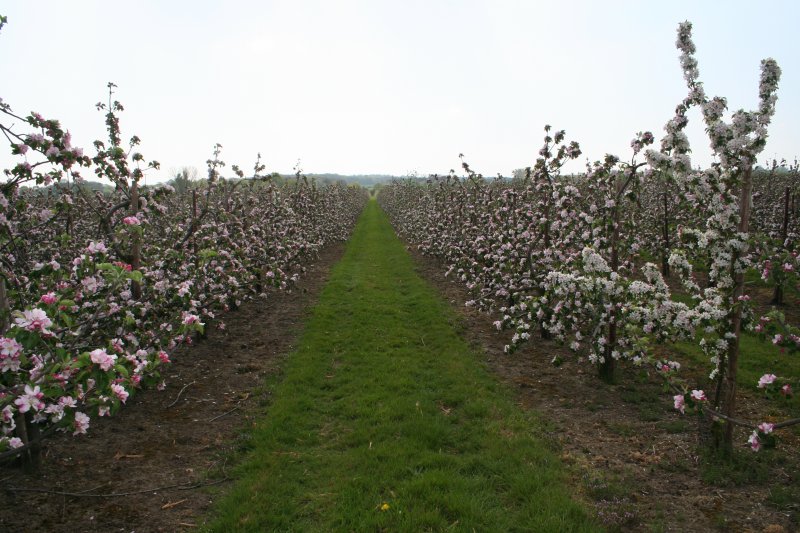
[{"x": 388, "y": 87}]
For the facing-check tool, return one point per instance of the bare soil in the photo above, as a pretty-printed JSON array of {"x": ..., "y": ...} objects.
[
  {"x": 636, "y": 461},
  {"x": 180, "y": 438}
]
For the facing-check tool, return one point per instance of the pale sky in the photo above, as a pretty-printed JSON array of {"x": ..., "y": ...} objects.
[{"x": 368, "y": 87}]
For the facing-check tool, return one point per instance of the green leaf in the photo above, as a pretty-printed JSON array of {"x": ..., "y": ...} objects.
[{"x": 207, "y": 253}]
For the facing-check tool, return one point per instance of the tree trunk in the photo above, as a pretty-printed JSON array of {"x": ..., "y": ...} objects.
[
  {"x": 545, "y": 334},
  {"x": 608, "y": 366},
  {"x": 777, "y": 296},
  {"x": 5, "y": 307},
  {"x": 34, "y": 457},
  {"x": 136, "y": 244},
  {"x": 729, "y": 404},
  {"x": 28, "y": 433},
  {"x": 666, "y": 243},
  {"x": 192, "y": 242}
]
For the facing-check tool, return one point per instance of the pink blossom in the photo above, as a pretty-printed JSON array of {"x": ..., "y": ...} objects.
[
  {"x": 117, "y": 345},
  {"x": 766, "y": 379},
  {"x": 49, "y": 299},
  {"x": 90, "y": 284},
  {"x": 15, "y": 442},
  {"x": 9, "y": 347},
  {"x": 34, "y": 320},
  {"x": 163, "y": 356},
  {"x": 777, "y": 339},
  {"x": 120, "y": 392},
  {"x": 680, "y": 403},
  {"x": 10, "y": 363},
  {"x": 184, "y": 288},
  {"x": 131, "y": 221},
  {"x": 766, "y": 428},
  {"x": 81, "y": 423},
  {"x": 32, "y": 399},
  {"x": 67, "y": 401},
  {"x": 8, "y": 416},
  {"x": 96, "y": 248},
  {"x": 191, "y": 319},
  {"x": 786, "y": 390},
  {"x": 699, "y": 396},
  {"x": 102, "y": 358},
  {"x": 755, "y": 443},
  {"x": 56, "y": 411}
]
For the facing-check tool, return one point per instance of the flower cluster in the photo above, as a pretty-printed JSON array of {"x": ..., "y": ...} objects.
[
  {"x": 570, "y": 257},
  {"x": 99, "y": 288}
]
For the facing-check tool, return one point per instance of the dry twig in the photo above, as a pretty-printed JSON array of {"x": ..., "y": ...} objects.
[{"x": 179, "y": 394}]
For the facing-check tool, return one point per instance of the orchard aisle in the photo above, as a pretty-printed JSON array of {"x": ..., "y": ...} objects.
[{"x": 385, "y": 419}]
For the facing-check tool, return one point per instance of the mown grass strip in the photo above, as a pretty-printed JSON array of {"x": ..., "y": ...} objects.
[{"x": 386, "y": 420}]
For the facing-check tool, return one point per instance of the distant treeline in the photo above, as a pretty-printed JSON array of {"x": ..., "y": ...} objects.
[{"x": 365, "y": 180}]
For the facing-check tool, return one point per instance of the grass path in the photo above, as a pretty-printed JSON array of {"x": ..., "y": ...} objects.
[{"x": 385, "y": 420}]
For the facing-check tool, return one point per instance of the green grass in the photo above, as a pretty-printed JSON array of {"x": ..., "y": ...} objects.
[
  {"x": 756, "y": 358},
  {"x": 383, "y": 402},
  {"x": 742, "y": 467}
]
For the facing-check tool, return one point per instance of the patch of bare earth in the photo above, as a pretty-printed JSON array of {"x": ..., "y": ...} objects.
[
  {"x": 634, "y": 459},
  {"x": 164, "y": 454}
]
